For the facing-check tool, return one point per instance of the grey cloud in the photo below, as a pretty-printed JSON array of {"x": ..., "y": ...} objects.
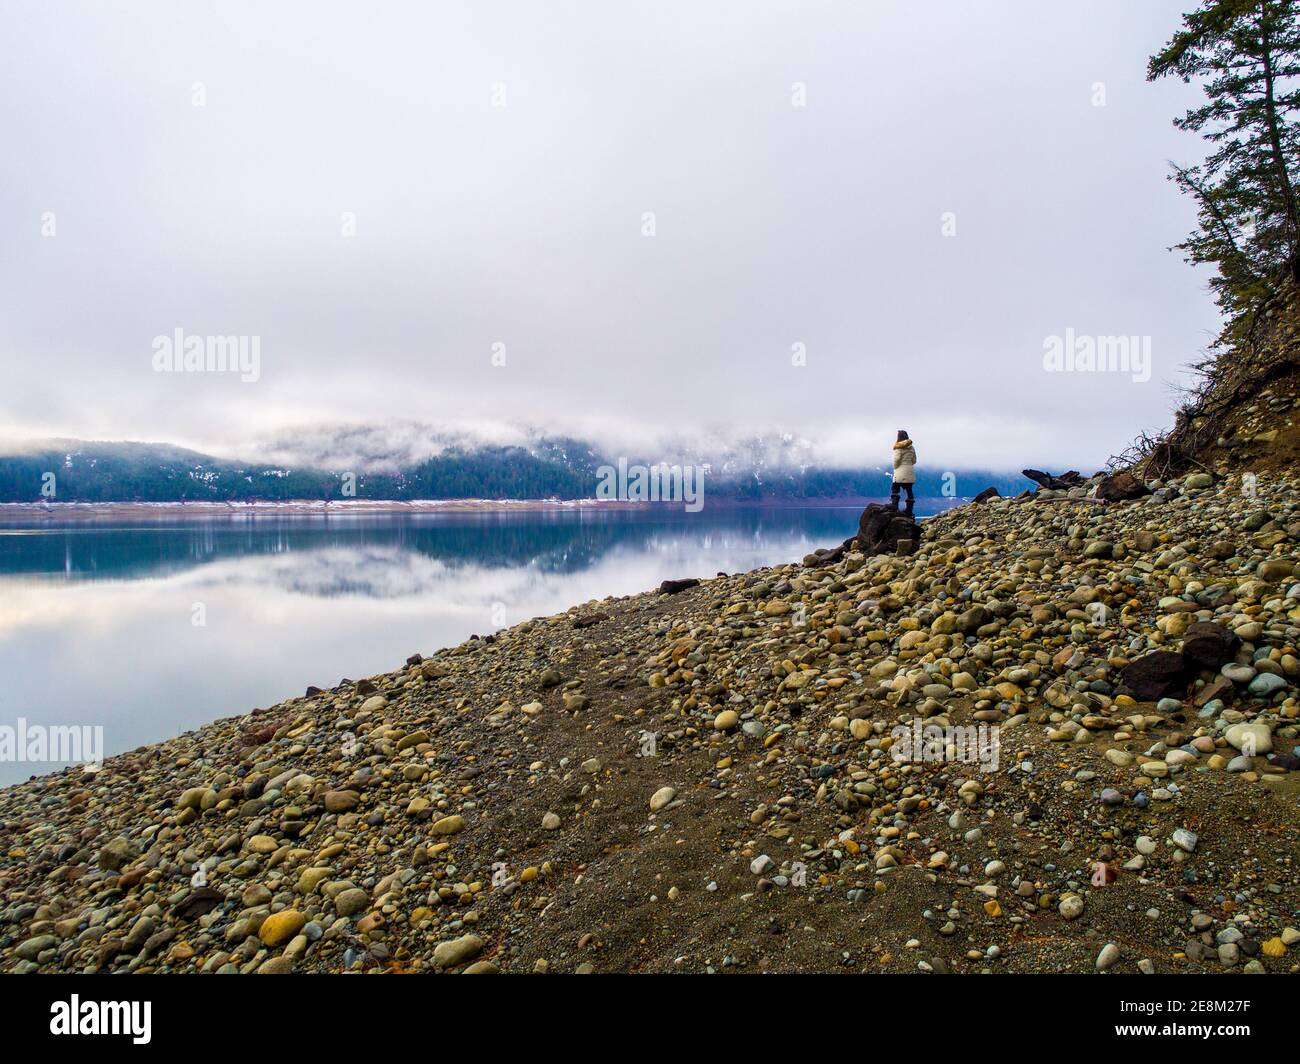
[{"x": 775, "y": 225}]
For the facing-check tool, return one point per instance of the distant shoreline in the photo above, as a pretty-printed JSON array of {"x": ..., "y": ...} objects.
[{"x": 208, "y": 508}]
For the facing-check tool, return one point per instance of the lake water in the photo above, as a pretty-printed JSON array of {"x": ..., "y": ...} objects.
[{"x": 153, "y": 626}]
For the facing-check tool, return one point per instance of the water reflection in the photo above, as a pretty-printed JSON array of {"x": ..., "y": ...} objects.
[
  {"x": 99, "y": 620},
  {"x": 554, "y": 541}
]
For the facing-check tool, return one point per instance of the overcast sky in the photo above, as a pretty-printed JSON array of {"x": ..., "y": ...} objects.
[{"x": 199, "y": 166}]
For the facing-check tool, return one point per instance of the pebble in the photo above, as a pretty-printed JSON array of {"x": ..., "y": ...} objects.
[
  {"x": 279, "y": 928},
  {"x": 457, "y": 951},
  {"x": 1251, "y": 738},
  {"x": 1266, "y": 684},
  {"x": 350, "y": 902}
]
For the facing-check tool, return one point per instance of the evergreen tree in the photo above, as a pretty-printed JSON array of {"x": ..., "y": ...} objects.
[{"x": 1247, "y": 54}]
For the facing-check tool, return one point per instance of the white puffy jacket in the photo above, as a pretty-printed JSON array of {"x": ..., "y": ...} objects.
[{"x": 904, "y": 462}]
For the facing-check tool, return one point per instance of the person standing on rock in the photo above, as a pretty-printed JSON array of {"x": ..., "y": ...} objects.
[{"x": 904, "y": 471}]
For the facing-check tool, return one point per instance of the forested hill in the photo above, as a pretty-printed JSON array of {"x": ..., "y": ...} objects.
[{"x": 80, "y": 471}]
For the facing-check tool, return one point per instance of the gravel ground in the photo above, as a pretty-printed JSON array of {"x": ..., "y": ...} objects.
[{"x": 724, "y": 778}]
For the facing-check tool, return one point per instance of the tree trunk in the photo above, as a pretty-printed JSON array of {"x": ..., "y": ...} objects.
[{"x": 1275, "y": 140}]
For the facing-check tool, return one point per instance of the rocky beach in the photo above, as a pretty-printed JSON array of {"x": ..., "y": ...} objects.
[
  {"x": 331, "y": 340},
  {"x": 704, "y": 777}
]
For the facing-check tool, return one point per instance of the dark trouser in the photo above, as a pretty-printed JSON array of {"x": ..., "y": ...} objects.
[{"x": 893, "y": 495}]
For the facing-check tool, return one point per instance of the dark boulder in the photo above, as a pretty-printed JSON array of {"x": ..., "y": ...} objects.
[
  {"x": 884, "y": 530},
  {"x": 881, "y": 530},
  {"x": 986, "y": 494},
  {"x": 672, "y": 587},
  {"x": 198, "y": 902},
  {"x": 1155, "y": 676},
  {"x": 1121, "y": 487},
  {"x": 1209, "y": 645},
  {"x": 826, "y": 555},
  {"x": 829, "y": 555}
]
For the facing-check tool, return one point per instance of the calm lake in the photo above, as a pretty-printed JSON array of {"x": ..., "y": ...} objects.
[{"x": 152, "y": 626}]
